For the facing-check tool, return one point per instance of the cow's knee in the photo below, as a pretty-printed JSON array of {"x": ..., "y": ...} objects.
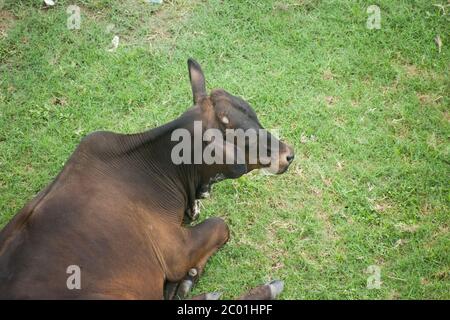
[
  {"x": 220, "y": 229},
  {"x": 205, "y": 239}
]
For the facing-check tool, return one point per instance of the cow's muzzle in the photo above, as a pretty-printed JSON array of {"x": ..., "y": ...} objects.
[
  {"x": 281, "y": 163},
  {"x": 286, "y": 159}
]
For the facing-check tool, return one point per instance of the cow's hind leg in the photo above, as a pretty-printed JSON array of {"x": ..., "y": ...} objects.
[
  {"x": 207, "y": 296},
  {"x": 269, "y": 291},
  {"x": 203, "y": 240}
]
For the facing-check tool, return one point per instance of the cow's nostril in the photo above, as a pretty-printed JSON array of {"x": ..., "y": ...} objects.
[{"x": 290, "y": 158}]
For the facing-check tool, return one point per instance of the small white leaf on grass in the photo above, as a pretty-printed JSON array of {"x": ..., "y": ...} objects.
[
  {"x": 438, "y": 42},
  {"x": 305, "y": 139},
  {"x": 49, "y": 3},
  {"x": 79, "y": 131},
  {"x": 114, "y": 44}
]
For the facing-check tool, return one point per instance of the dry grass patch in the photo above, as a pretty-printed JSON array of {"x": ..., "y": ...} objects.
[{"x": 7, "y": 20}]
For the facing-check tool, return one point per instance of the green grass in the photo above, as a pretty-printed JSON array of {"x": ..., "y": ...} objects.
[{"x": 366, "y": 110}]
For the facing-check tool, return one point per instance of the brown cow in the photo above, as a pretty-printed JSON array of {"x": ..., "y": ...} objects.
[{"x": 116, "y": 212}]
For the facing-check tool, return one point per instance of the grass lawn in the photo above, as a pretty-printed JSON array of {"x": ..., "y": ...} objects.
[{"x": 366, "y": 110}]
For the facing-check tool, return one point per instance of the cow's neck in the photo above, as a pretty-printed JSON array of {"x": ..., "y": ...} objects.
[{"x": 150, "y": 152}]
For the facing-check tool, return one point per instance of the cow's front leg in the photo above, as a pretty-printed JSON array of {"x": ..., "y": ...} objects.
[
  {"x": 179, "y": 290},
  {"x": 203, "y": 241},
  {"x": 206, "y": 238}
]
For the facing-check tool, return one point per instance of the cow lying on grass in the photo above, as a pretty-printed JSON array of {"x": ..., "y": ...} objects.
[{"x": 116, "y": 211}]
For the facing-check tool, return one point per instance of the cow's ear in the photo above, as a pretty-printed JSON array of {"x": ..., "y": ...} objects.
[{"x": 197, "y": 80}]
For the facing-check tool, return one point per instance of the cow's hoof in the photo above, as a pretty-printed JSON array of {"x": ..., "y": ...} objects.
[
  {"x": 184, "y": 288},
  {"x": 276, "y": 287},
  {"x": 213, "y": 296}
]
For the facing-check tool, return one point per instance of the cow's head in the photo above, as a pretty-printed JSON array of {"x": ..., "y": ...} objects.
[{"x": 230, "y": 115}]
